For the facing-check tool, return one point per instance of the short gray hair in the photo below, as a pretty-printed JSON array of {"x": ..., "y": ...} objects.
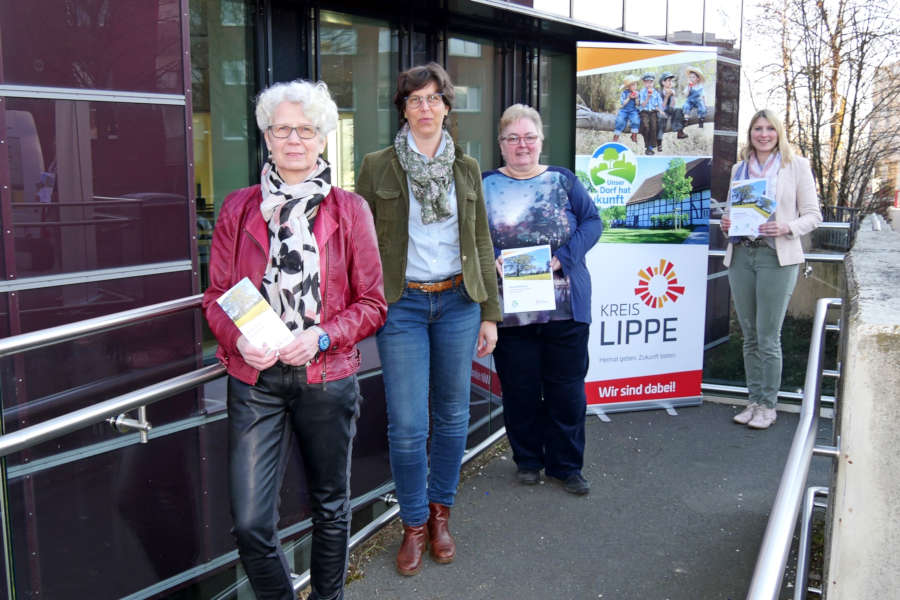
[
  {"x": 521, "y": 111},
  {"x": 314, "y": 97}
]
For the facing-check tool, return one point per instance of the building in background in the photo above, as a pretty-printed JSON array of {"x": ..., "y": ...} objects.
[
  {"x": 886, "y": 118},
  {"x": 123, "y": 125}
]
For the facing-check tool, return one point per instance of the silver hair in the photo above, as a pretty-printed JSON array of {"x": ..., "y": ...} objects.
[{"x": 314, "y": 98}]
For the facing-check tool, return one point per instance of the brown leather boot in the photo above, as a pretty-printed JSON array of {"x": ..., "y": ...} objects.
[
  {"x": 443, "y": 548},
  {"x": 409, "y": 558}
]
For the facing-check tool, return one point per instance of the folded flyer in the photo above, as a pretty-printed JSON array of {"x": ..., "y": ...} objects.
[{"x": 254, "y": 316}]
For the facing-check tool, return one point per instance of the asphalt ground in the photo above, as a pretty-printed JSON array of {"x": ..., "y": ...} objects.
[{"x": 677, "y": 510}]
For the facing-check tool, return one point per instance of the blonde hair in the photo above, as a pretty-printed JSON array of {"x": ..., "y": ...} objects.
[
  {"x": 313, "y": 97},
  {"x": 520, "y": 111},
  {"x": 783, "y": 146}
]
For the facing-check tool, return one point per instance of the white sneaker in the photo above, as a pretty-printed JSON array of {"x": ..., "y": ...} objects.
[
  {"x": 762, "y": 418},
  {"x": 745, "y": 415}
]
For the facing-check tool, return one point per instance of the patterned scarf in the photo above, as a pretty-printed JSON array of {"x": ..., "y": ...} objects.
[
  {"x": 291, "y": 280},
  {"x": 430, "y": 179},
  {"x": 768, "y": 171}
]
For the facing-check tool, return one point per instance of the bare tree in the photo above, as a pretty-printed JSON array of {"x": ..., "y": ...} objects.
[{"x": 833, "y": 82}]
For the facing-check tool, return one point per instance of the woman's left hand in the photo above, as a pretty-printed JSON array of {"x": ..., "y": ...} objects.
[
  {"x": 773, "y": 229},
  {"x": 302, "y": 350},
  {"x": 487, "y": 338}
]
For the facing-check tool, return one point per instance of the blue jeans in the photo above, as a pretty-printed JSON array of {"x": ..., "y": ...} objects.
[
  {"x": 541, "y": 369},
  {"x": 761, "y": 289},
  {"x": 427, "y": 345},
  {"x": 627, "y": 116}
]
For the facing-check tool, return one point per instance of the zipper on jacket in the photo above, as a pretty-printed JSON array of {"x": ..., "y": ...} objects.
[{"x": 324, "y": 289}]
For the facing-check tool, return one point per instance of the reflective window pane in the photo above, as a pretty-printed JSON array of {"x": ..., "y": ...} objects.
[
  {"x": 225, "y": 134},
  {"x": 471, "y": 63},
  {"x": 96, "y": 184},
  {"x": 49, "y": 381},
  {"x": 359, "y": 64},
  {"x": 132, "y": 45},
  {"x": 723, "y": 25},
  {"x": 557, "y": 113},
  {"x": 647, "y": 17},
  {"x": 604, "y": 14},
  {"x": 686, "y": 22}
]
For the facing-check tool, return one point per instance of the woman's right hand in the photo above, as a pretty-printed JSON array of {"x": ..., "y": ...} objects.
[
  {"x": 499, "y": 264},
  {"x": 725, "y": 224},
  {"x": 258, "y": 358}
]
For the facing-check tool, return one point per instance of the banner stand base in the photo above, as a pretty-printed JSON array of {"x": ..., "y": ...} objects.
[{"x": 669, "y": 405}]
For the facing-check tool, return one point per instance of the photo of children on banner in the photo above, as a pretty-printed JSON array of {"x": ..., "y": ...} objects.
[
  {"x": 650, "y": 104},
  {"x": 670, "y": 116},
  {"x": 628, "y": 110},
  {"x": 694, "y": 93}
]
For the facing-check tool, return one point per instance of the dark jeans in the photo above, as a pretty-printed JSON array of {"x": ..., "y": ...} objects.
[
  {"x": 675, "y": 119},
  {"x": 261, "y": 420},
  {"x": 649, "y": 121},
  {"x": 542, "y": 369}
]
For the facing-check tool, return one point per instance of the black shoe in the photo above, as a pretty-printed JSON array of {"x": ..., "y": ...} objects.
[
  {"x": 649, "y": 151},
  {"x": 575, "y": 484},
  {"x": 528, "y": 477}
]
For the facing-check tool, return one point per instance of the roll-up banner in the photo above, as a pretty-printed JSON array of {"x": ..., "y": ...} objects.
[{"x": 643, "y": 144}]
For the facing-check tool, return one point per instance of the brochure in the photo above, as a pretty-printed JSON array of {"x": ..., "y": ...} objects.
[
  {"x": 527, "y": 279},
  {"x": 750, "y": 205},
  {"x": 254, "y": 316}
]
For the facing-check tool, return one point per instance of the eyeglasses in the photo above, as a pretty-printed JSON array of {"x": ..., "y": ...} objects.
[
  {"x": 306, "y": 132},
  {"x": 513, "y": 140},
  {"x": 416, "y": 101}
]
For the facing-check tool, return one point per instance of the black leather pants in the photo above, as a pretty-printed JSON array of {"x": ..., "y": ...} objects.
[{"x": 261, "y": 419}]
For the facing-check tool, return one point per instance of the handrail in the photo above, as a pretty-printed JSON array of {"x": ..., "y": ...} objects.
[
  {"x": 71, "y": 331},
  {"x": 776, "y": 543},
  {"x": 96, "y": 413}
]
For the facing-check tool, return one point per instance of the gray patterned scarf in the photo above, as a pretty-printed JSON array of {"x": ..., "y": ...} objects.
[
  {"x": 430, "y": 179},
  {"x": 291, "y": 280}
]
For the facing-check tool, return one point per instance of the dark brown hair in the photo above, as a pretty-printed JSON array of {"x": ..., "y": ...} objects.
[{"x": 418, "y": 77}]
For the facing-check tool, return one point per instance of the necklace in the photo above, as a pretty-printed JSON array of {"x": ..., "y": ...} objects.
[{"x": 536, "y": 170}]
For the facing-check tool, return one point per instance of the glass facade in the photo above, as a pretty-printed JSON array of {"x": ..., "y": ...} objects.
[
  {"x": 472, "y": 65},
  {"x": 358, "y": 57},
  {"x": 78, "y": 186},
  {"x": 132, "y": 45}
]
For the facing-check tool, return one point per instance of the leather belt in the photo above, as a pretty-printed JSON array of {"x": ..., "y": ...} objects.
[
  {"x": 435, "y": 286},
  {"x": 753, "y": 243}
]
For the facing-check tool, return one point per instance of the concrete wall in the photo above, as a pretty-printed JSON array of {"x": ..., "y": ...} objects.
[{"x": 861, "y": 548}]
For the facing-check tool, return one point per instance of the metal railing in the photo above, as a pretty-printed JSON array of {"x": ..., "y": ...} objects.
[
  {"x": 113, "y": 408},
  {"x": 96, "y": 413},
  {"x": 776, "y": 543}
]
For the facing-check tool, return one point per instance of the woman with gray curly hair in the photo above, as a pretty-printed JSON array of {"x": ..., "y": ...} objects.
[{"x": 310, "y": 249}]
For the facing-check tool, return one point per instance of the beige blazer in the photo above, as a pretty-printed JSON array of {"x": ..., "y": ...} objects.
[{"x": 798, "y": 207}]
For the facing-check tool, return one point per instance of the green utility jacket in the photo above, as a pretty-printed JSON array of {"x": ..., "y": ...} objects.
[{"x": 382, "y": 182}]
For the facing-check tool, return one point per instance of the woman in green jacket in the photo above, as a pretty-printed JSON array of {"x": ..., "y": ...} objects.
[{"x": 441, "y": 290}]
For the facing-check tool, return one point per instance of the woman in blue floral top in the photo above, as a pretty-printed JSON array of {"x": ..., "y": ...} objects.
[{"x": 541, "y": 357}]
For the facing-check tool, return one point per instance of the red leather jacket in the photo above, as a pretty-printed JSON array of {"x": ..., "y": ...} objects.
[{"x": 352, "y": 289}]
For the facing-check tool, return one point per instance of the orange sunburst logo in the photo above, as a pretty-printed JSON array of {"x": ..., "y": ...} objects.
[{"x": 658, "y": 285}]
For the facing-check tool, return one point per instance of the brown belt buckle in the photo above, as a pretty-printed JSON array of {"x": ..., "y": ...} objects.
[{"x": 437, "y": 286}]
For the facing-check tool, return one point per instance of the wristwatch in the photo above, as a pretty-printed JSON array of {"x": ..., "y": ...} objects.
[{"x": 324, "y": 339}]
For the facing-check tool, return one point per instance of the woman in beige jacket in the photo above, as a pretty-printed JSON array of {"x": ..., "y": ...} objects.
[{"x": 762, "y": 271}]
